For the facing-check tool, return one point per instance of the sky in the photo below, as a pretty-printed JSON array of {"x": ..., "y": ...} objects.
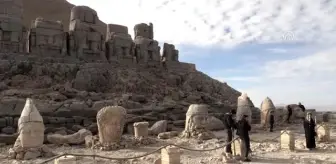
[{"x": 282, "y": 49}]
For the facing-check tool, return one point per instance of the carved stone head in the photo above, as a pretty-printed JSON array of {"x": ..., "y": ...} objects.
[
  {"x": 144, "y": 30},
  {"x": 31, "y": 127},
  {"x": 84, "y": 14},
  {"x": 196, "y": 117},
  {"x": 111, "y": 121}
]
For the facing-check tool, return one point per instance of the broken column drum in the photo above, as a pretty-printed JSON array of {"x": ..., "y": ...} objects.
[
  {"x": 141, "y": 129},
  {"x": 119, "y": 44},
  {"x": 146, "y": 48},
  {"x": 12, "y": 31},
  {"x": 85, "y": 40},
  {"x": 47, "y": 38},
  {"x": 111, "y": 121}
]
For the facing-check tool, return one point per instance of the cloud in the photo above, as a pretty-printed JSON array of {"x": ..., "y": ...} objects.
[
  {"x": 225, "y": 22},
  {"x": 309, "y": 79}
]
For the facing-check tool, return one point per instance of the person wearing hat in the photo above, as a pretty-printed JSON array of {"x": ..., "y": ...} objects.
[
  {"x": 230, "y": 125},
  {"x": 310, "y": 133},
  {"x": 243, "y": 128}
]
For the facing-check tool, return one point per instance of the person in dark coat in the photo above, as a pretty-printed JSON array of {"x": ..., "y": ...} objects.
[
  {"x": 302, "y": 107},
  {"x": 271, "y": 121},
  {"x": 243, "y": 128},
  {"x": 289, "y": 114},
  {"x": 310, "y": 134},
  {"x": 230, "y": 125}
]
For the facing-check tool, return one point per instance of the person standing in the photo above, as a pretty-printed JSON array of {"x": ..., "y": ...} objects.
[
  {"x": 289, "y": 114},
  {"x": 271, "y": 121},
  {"x": 243, "y": 128},
  {"x": 310, "y": 133},
  {"x": 230, "y": 125},
  {"x": 302, "y": 107}
]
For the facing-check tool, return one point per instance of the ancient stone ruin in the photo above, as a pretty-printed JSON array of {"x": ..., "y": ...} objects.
[
  {"x": 12, "y": 31},
  {"x": 267, "y": 107},
  {"x": 196, "y": 123},
  {"x": 29, "y": 144},
  {"x": 244, "y": 107}
]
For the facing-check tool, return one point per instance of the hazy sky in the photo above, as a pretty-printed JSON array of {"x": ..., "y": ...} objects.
[{"x": 284, "y": 49}]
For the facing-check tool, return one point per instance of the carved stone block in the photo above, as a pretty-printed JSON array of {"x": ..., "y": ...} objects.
[
  {"x": 323, "y": 133},
  {"x": 287, "y": 140},
  {"x": 170, "y": 155},
  {"x": 236, "y": 147},
  {"x": 141, "y": 129},
  {"x": 119, "y": 44}
]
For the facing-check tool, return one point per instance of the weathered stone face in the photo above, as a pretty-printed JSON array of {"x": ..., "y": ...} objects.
[
  {"x": 144, "y": 30},
  {"x": 267, "y": 108},
  {"x": 111, "y": 121},
  {"x": 85, "y": 40},
  {"x": 31, "y": 127},
  {"x": 47, "y": 38},
  {"x": 169, "y": 52},
  {"x": 196, "y": 122},
  {"x": 119, "y": 43},
  {"x": 244, "y": 108}
]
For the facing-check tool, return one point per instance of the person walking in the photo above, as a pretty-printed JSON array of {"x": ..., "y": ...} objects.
[
  {"x": 243, "y": 128},
  {"x": 289, "y": 114}
]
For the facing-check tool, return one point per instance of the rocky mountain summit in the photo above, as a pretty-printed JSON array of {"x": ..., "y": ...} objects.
[{"x": 71, "y": 74}]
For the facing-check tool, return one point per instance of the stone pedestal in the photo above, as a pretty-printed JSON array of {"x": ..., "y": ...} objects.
[
  {"x": 141, "y": 129},
  {"x": 236, "y": 147},
  {"x": 323, "y": 133},
  {"x": 66, "y": 160},
  {"x": 170, "y": 155},
  {"x": 287, "y": 140}
]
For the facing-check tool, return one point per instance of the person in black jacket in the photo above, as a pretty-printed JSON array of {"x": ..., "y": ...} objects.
[
  {"x": 289, "y": 114},
  {"x": 230, "y": 125},
  {"x": 244, "y": 127},
  {"x": 310, "y": 133},
  {"x": 302, "y": 107},
  {"x": 271, "y": 121}
]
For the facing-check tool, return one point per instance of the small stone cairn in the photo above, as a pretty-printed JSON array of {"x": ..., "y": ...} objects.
[{"x": 29, "y": 144}]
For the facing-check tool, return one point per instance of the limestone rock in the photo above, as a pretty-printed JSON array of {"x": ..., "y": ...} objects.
[
  {"x": 267, "y": 107},
  {"x": 158, "y": 127},
  {"x": 76, "y": 138},
  {"x": 215, "y": 124}
]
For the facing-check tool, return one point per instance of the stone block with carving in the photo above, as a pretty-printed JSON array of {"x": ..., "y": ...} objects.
[
  {"x": 12, "y": 31},
  {"x": 85, "y": 40},
  {"x": 141, "y": 129},
  {"x": 169, "y": 53},
  {"x": 47, "y": 38},
  {"x": 287, "y": 140},
  {"x": 111, "y": 121},
  {"x": 119, "y": 44},
  {"x": 323, "y": 133},
  {"x": 170, "y": 155},
  {"x": 146, "y": 48}
]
